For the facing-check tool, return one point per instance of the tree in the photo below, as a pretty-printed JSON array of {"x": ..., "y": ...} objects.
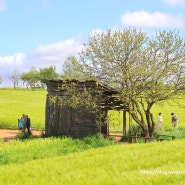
[
  {"x": 46, "y": 74},
  {"x": 72, "y": 69},
  {"x": 144, "y": 70},
  {"x": 15, "y": 77},
  {"x": 1, "y": 80},
  {"x": 31, "y": 78}
]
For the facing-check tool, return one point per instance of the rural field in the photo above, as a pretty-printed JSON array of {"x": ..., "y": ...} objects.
[
  {"x": 32, "y": 102},
  {"x": 91, "y": 160},
  {"x": 16, "y": 102}
]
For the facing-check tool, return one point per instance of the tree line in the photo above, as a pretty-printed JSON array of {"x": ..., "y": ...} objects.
[{"x": 37, "y": 78}]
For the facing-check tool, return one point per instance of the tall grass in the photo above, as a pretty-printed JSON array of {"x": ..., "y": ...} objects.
[
  {"x": 152, "y": 164},
  {"x": 32, "y": 149}
]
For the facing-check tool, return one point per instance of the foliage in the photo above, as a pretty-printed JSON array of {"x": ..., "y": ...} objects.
[
  {"x": 144, "y": 70},
  {"x": 83, "y": 98},
  {"x": 72, "y": 69},
  {"x": 23, "y": 136},
  {"x": 38, "y": 79},
  {"x": 31, "y": 78},
  {"x": 15, "y": 151},
  {"x": 46, "y": 74}
]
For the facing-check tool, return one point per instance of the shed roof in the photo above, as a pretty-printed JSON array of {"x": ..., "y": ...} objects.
[{"x": 112, "y": 95}]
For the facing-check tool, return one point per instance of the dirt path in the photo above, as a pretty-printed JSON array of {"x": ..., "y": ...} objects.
[{"x": 7, "y": 134}]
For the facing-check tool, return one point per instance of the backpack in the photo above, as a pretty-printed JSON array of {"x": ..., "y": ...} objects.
[
  {"x": 20, "y": 123},
  {"x": 28, "y": 123},
  {"x": 175, "y": 118}
]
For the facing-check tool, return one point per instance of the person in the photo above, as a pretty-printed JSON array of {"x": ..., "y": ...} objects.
[
  {"x": 28, "y": 124},
  {"x": 160, "y": 119},
  {"x": 174, "y": 120},
  {"x": 25, "y": 120}
]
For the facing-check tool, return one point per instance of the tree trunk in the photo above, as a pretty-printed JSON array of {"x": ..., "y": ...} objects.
[{"x": 141, "y": 124}]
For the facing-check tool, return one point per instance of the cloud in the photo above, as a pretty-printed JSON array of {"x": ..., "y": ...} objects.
[
  {"x": 96, "y": 31},
  {"x": 43, "y": 56},
  {"x": 2, "y": 5},
  {"x": 45, "y": 4},
  {"x": 175, "y": 2},
  {"x": 156, "y": 19}
]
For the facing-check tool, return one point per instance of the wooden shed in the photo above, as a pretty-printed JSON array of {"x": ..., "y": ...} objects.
[{"x": 64, "y": 119}]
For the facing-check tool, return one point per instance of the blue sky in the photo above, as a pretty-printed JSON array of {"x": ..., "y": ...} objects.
[{"x": 40, "y": 33}]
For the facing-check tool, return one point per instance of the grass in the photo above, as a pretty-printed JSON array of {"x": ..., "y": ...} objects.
[
  {"x": 16, "y": 102},
  {"x": 32, "y": 148},
  {"x": 154, "y": 163},
  {"x": 165, "y": 108},
  {"x": 92, "y": 160}
]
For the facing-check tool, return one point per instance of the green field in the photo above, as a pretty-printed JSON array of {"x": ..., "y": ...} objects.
[
  {"x": 92, "y": 160},
  {"x": 65, "y": 161},
  {"x": 16, "y": 102}
]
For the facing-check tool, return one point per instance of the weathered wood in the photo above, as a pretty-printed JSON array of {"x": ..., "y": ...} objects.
[{"x": 63, "y": 120}]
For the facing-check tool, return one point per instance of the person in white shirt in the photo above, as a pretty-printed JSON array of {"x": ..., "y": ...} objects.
[{"x": 160, "y": 120}]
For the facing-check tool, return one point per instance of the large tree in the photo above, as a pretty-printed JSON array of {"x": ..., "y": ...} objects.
[
  {"x": 46, "y": 74},
  {"x": 72, "y": 69},
  {"x": 31, "y": 78},
  {"x": 145, "y": 70}
]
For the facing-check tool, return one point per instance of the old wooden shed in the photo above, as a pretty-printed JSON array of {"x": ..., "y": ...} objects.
[{"x": 65, "y": 119}]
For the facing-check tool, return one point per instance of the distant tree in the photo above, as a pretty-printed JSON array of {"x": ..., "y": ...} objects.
[
  {"x": 31, "y": 78},
  {"x": 72, "y": 69},
  {"x": 46, "y": 74},
  {"x": 1, "y": 80},
  {"x": 15, "y": 77}
]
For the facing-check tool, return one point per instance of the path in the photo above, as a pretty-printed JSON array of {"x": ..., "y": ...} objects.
[{"x": 8, "y": 134}]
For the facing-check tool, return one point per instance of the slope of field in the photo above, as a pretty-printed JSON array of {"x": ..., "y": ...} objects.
[{"x": 153, "y": 163}]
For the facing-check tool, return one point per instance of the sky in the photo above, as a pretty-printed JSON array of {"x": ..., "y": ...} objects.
[{"x": 41, "y": 33}]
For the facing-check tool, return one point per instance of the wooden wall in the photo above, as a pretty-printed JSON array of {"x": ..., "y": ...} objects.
[{"x": 62, "y": 120}]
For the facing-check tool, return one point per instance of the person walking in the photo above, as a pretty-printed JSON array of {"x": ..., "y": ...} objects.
[
  {"x": 28, "y": 124},
  {"x": 160, "y": 120},
  {"x": 174, "y": 120}
]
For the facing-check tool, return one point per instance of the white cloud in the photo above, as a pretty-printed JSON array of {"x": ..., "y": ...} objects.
[
  {"x": 45, "y": 4},
  {"x": 175, "y": 2},
  {"x": 156, "y": 19},
  {"x": 97, "y": 31},
  {"x": 2, "y": 5},
  {"x": 43, "y": 56},
  {"x": 52, "y": 54}
]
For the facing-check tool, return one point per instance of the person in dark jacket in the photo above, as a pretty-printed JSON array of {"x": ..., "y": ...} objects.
[{"x": 28, "y": 124}]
